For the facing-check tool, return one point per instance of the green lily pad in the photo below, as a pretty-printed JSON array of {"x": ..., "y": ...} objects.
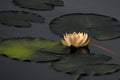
[
  {"x": 99, "y": 69},
  {"x": 38, "y": 4},
  {"x": 19, "y": 18},
  {"x": 98, "y": 26},
  {"x": 85, "y": 64},
  {"x": 32, "y": 49}
]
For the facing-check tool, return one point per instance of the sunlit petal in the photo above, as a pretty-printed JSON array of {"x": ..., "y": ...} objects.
[{"x": 76, "y": 39}]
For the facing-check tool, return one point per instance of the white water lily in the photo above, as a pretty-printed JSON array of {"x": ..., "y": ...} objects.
[{"x": 76, "y": 39}]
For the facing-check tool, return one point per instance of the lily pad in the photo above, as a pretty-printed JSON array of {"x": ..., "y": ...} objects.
[
  {"x": 38, "y": 4},
  {"x": 32, "y": 49},
  {"x": 19, "y": 18},
  {"x": 99, "y": 27},
  {"x": 85, "y": 64}
]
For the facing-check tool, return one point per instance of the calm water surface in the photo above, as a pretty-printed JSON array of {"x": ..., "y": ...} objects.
[{"x": 16, "y": 70}]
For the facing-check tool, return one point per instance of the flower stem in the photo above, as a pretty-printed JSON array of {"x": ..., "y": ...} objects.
[
  {"x": 81, "y": 50},
  {"x": 105, "y": 49}
]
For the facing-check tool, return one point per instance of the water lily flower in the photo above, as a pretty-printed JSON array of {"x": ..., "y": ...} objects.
[{"x": 76, "y": 39}]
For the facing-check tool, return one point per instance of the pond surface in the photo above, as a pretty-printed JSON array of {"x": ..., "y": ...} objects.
[{"x": 16, "y": 70}]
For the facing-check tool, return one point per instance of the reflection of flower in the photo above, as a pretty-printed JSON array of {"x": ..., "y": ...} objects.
[{"x": 76, "y": 39}]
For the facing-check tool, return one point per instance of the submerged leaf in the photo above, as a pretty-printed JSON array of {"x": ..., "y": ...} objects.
[
  {"x": 30, "y": 49},
  {"x": 38, "y": 4},
  {"x": 99, "y": 27},
  {"x": 85, "y": 64},
  {"x": 19, "y": 18}
]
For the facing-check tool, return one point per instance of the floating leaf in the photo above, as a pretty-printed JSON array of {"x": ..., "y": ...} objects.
[
  {"x": 99, "y": 69},
  {"x": 99, "y": 27},
  {"x": 85, "y": 64},
  {"x": 38, "y": 4},
  {"x": 19, "y": 18},
  {"x": 29, "y": 49}
]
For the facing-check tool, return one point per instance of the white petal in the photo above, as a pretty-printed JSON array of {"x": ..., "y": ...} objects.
[{"x": 85, "y": 37}]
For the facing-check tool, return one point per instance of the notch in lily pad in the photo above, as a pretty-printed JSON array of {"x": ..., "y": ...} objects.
[
  {"x": 20, "y": 18},
  {"x": 38, "y": 4},
  {"x": 87, "y": 65},
  {"x": 98, "y": 26}
]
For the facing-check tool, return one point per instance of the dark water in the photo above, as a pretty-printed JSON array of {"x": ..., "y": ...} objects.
[{"x": 16, "y": 70}]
